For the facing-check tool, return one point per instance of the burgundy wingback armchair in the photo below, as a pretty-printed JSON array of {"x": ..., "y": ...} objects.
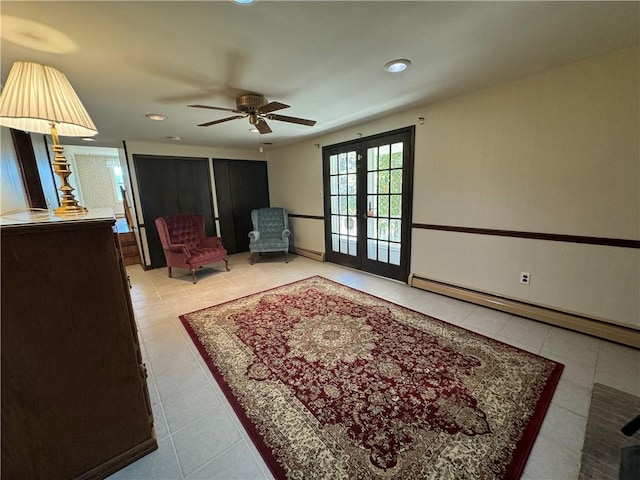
[{"x": 185, "y": 244}]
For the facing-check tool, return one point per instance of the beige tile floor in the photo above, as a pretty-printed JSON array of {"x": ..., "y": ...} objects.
[{"x": 199, "y": 437}]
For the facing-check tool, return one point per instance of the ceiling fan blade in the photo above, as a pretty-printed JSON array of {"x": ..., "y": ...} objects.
[
  {"x": 263, "y": 127},
  {"x": 235, "y": 117},
  {"x": 215, "y": 108},
  {"x": 284, "y": 118},
  {"x": 272, "y": 107}
]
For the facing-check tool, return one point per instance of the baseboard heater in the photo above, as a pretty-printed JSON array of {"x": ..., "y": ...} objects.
[
  {"x": 319, "y": 256},
  {"x": 590, "y": 326}
]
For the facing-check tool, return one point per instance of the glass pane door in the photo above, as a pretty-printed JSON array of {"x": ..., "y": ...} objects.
[
  {"x": 367, "y": 206},
  {"x": 384, "y": 203},
  {"x": 343, "y": 204}
]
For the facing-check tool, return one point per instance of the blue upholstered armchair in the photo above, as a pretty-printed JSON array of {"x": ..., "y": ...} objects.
[{"x": 270, "y": 231}]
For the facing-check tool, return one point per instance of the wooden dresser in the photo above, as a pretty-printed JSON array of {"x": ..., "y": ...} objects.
[{"x": 75, "y": 403}]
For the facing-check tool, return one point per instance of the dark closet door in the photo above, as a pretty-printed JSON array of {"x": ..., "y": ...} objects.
[
  {"x": 170, "y": 185},
  {"x": 241, "y": 186}
]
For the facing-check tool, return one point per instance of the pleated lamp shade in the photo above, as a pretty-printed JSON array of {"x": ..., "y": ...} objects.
[{"x": 34, "y": 96}]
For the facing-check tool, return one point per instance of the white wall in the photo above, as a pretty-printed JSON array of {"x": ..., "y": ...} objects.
[
  {"x": 12, "y": 194},
  {"x": 556, "y": 152}
]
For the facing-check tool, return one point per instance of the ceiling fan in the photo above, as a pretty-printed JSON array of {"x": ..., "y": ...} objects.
[{"x": 258, "y": 109}]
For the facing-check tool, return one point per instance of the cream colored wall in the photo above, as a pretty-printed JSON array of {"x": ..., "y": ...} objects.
[
  {"x": 295, "y": 179},
  {"x": 180, "y": 150},
  {"x": 593, "y": 280},
  {"x": 307, "y": 233},
  {"x": 556, "y": 152},
  {"x": 12, "y": 194}
]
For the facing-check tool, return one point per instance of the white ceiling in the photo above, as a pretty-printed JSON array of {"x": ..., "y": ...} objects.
[{"x": 325, "y": 59}]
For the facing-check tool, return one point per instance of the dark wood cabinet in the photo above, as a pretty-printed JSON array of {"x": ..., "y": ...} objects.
[{"x": 74, "y": 396}]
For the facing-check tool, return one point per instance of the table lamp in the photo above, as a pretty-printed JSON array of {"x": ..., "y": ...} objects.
[{"x": 40, "y": 99}]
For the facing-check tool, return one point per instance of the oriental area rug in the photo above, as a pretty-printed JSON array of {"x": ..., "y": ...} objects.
[{"x": 334, "y": 383}]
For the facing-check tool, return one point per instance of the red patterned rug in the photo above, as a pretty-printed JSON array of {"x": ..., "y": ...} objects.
[{"x": 331, "y": 382}]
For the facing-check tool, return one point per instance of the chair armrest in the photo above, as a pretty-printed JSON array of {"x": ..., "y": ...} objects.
[
  {"x": 179, "y": 248},
  {"x": 254, "y": 236},
  {"x": 286, "y": 233},
  {"x": 211, "y": 242}
]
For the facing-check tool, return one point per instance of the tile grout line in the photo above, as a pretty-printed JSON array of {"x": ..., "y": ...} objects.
[
  {"x": 234, "y": 445},
  {"x": 605, "y": 358}
]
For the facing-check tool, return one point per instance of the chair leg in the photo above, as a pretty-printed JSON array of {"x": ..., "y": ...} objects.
[
  {"x": 193, "y": 274},
  {"x": 251, "y": 258},
  {"x": 226, "y": 263},
  {"x": 286, "y": 260},
  {"x": 169, "y": 269}
]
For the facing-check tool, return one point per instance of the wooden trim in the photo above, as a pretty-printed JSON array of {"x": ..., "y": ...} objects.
[
  {"x": 28, "y": 168},
  {"x": 312, "y": 217},
  {"x": 610, "y": 242},
  {"x": 596, "y": 327},
  {"x": 319, "y": 256}
]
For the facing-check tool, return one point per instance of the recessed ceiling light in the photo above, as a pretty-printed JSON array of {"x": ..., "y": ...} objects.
[
  {"x": 88, "y": 139},
  {"x": 254, "y": 130},
  {"x": 175, "y": 138},
  {"x": 395, "y": 66},
  {"x": 156, "y": 116},
  {"x": 244, "y": 2}
]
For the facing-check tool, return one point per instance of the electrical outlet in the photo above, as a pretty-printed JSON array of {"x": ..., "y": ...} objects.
[{"x": 525, "y": 278}]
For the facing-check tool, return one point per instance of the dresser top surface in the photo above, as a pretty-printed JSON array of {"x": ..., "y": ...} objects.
[{"x": 43, "y": 217}]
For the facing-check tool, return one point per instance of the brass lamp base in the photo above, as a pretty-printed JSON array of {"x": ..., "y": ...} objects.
[
  {"x": 68, "y": 203},
  {"x": 70, "y": 210}
]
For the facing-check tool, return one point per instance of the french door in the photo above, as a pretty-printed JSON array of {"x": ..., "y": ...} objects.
[{"x": 368, "y": 190}]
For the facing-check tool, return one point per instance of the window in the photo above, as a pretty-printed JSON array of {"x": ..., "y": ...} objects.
[{"x": 118, "y": 182}]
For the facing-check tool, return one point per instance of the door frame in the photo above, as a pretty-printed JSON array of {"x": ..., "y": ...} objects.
[{"x": 360, "y": 262}]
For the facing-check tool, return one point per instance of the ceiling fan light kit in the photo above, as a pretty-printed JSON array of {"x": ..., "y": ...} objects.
[{"x": 258, "y": 109}]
